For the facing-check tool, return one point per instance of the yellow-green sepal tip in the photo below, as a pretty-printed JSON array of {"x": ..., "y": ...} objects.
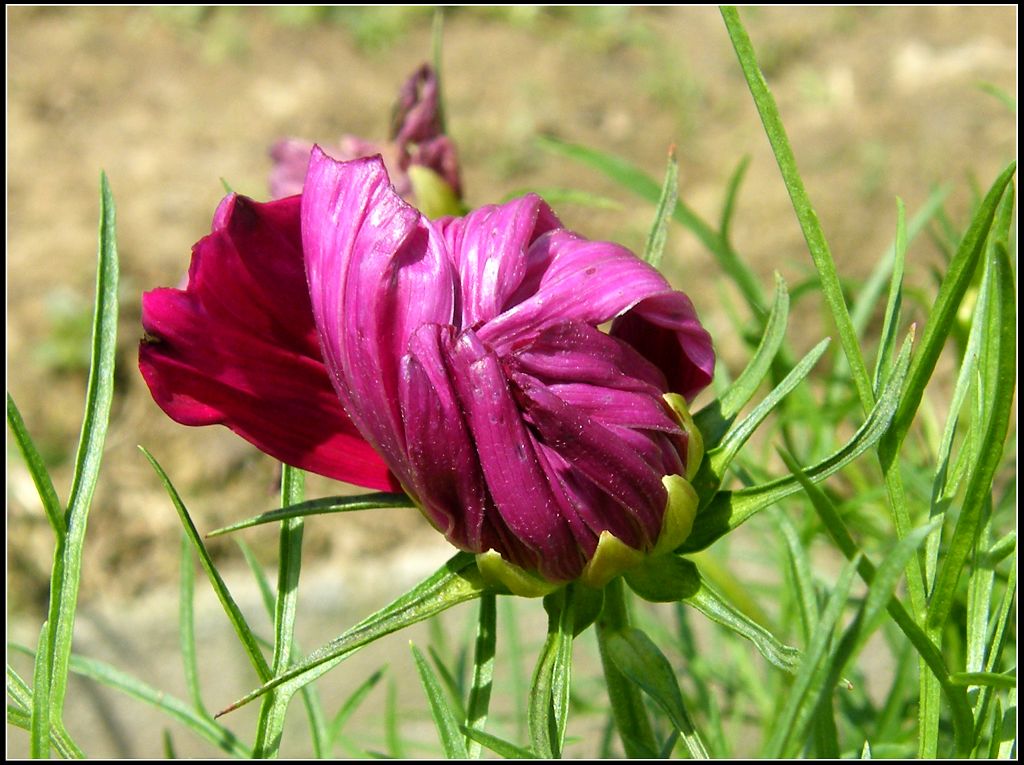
[
  {"x": 694, "y": 439},
  {"x": 497, "y": 571}
]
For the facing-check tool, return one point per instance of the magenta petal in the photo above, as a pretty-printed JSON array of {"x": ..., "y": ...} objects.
[
  {"x": 533, "y": 507},
  {"x": 665, "y": 329},
  {"x": 377, "y": 271},
  {"x": 239, "y": 347},
  {"x": 445, "y": 472},
  {"x": 489, "y": 248},
  {"x": 609, "y": 462}
]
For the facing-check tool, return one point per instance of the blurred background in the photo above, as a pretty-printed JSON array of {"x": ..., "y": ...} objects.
[{"x": 879, "y": 103}]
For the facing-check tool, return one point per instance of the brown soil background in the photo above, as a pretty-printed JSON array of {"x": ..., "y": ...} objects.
[{"x": 878, "y": 102}]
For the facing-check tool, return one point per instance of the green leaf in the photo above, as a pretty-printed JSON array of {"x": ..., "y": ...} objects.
[
  {"x": 549, "y": 694},
  {"x": 444, "y": 718},
  {"x": 991, "y": 679},
  {"x": 179, "y": 710},
  {"x": 716, "y": 418},
  {"x": 457, "y": 581},
  {"x": 639, "y": 659},
  {"x": 638, "y": 182},
  {"x": 19, "y": 714},
  {"x": 627, "y": 705},
  {"x": 186, "y": 625},
  {"x": 731, "y": 193},
  {"x": 802, "y": 582},
  {"x": 234, "y": 613},
  {"x": 654, "y": 249},
  {"x": 890, "y": 325},
  {"x": 98, "y": 398},
  {"x": 813, "y": 234},
  {"x": 320, "y": 506},
  {"x": 483, "y": 672},
  {"x": 350, "y": 705},
  {"x": 39, "y": 733},
  {"x": 664, "y": 579},
  {"x": 270, "y": 724},
  {"x": 36, "y": 469},
  {"x": 720, "y": 458},
  {"x": 497, "y": 745},
  {"x": 943, "y": 315},
  {"x": 557, "y": 196},
  {"x": 711, "y": 603},
  {"x": 979, "y": 485},
  {"x": 811, "y": 671},
  {"x": 729, "y": 509},
  {"x": 927, "y": 649}
]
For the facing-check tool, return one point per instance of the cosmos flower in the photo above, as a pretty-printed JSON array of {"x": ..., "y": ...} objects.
[
  {"x": 418, "y": 154},
  {"x": 460, "y": 359}
]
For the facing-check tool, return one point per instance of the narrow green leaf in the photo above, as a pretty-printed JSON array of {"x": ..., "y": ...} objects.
[
  {"x": 186, "y": 626},
  {"x": 497, "y": 745},
  {"x": 787, "y": 726},
  {"x": 729, "y": 509},
  {"x": 39, "y": 733},
  {"x": 654, "y": 249},
  {"x": 457, "y": 581},
  {"x": 392, "y": 734},
  {"x": 800, "y": 574},
  {"x": 98, "y": 398},
  {"x": 350, "y": 705},
  {"x": 179, "y": 710},
  {"x": 558, "y": 197},
  {"x": 731, "y": 193},
  {"x": 716, "y": 418},
  {"x": 979, "y": 484},
  {"x": 1002, "y": 628},
  {"x": 627, "y": 705},
  {"x": 992, "y": 679},
  {"x": 36, "y": 469},
  {"x": 813, "y": 234},
  {"x": 444, "y": 718},
  {"x": 270, "y": 723},
  {"x": 925, "y": 647},
  {"x": 170, "y": 753},
  {"x": 720, "y": 458},
  {"x": 320, "y": 507},
  {"x": 713, "y": 605},
  {"x": 549, "y": 693},
  {"x": 942, "y": 317},
  {"x": 866, "y": 298},
  {"x": 19, "y": 714},
  {"x": 448, "y": 679},
  {"x": 638, "y": 182},
  {"x": 890, "y": 324},
  {"x": 640, "y": 660},
  {"x": 234, "y": 613},
  {"x": 483, "y": 673}
]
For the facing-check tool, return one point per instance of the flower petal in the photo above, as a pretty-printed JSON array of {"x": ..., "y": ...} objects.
[
  {"x": 377, "y": 270},
  {"x": 489, "y": 248},
  {"x": 238, "y": 347},
  {"x": 533, "y": 506}
]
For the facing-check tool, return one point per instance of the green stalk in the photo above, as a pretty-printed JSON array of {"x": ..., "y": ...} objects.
[{"x": 626, "y": 698}]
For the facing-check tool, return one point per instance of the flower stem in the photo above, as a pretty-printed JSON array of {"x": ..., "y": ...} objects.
[{"x": 627, "y": 704}]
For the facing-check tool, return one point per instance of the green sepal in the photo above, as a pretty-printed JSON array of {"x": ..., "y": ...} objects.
[{"x": 664, "y": 579}]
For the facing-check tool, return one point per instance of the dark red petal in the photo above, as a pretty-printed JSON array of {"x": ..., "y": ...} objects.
[{"x": 238, "y": 347}]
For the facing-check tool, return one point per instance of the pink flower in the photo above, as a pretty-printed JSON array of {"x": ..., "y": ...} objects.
[
  {"x": 465, "y": 352},
  {"x": 417, "y": 140}
]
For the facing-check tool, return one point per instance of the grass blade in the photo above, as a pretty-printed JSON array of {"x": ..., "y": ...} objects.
[
  {"x": 98, "y": 398},
  {"x": 350, "y": 705},
  {"x": 483, "y": 673},
  {"x": 444, "y": 718},
  {"x": 943, "y": 315},
  {"x": 813, "y": 234},
  {"x": 499, "y": 746},
  {"x": 549, "y": 694},
  {"x": 39, "y": 731},
  {"x": 640, "y": 660},
  {"x": 731, "y": 193},
  {"x": 320, "y": 507},
  {"x": 186, "y": 626},
  {"x": 270, "y": 724},
  {"x": 457, "y": 581},
  {"x": 654, "y": 249},
  {"x": 36, "y": 469},
  {"x": 883, "y": 363},
  {"x": 979, "y": 490},
  {"x": 638, "y": 182},
  {"x": 234, "y": 613}
]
